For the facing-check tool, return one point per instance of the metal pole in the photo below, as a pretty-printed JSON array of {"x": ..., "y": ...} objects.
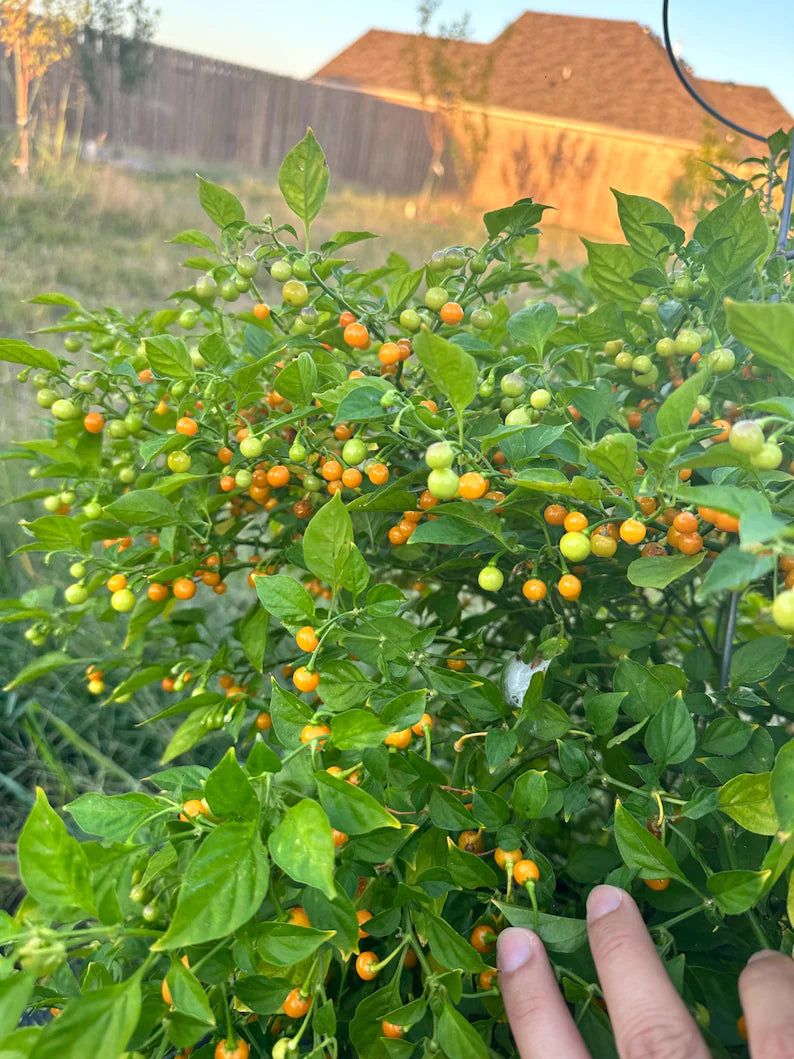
[
  {"x": 788, "y": 195},
  {"x": 730, "y": 632}
]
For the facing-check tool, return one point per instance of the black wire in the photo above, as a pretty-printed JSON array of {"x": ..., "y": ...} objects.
[{"x": 689, "y": 87}]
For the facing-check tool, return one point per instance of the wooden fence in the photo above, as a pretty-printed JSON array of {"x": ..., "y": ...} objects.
[{"x": 198, "y": 108}]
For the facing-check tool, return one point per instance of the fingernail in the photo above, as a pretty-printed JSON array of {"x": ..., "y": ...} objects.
[
  {"x": 514, "y": 948},
  {"x": 762, "y": 954},
  {"x": 602, "y": 900}
]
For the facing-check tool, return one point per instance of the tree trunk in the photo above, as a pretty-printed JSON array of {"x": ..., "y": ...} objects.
[
  {"x": 435, "y": 128},
  {"x": 22, "y": 85}
]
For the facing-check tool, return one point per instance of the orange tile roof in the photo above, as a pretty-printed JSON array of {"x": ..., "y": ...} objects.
[{"x": 577, "y": 69}]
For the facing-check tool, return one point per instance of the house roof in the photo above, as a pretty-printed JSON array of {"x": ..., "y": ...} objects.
[{"x": 582, "y": 69}]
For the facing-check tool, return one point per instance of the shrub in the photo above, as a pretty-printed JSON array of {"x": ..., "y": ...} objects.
[{"x": 504, "y": 583}]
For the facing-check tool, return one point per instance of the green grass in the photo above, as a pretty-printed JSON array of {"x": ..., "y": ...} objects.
[{"x": 103, "y": 237}]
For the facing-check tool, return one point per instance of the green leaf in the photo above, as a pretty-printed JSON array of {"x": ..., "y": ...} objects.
[
  {"x": 253, "y": 634},
  {"x": 616, "y": 456},
  {"x": 115, "y": 816},
  {"x": 223, "y": 886},
  {"x": 755, "y": 661},
  {"x": 447, "y": 812},
  {"x": 451, "y": 369},
  {"x": 15, "y": 991},
  {"x": 52, "y": 864},
  {"x": 401, "y": 290},
  {"x": 543, "y": 720},
  {"x": 39, "y": 666},
  {"x": 637, "y": 215},
  {"x": 350, "y": 809},
  {"x": 286, "y": 599},
  {"x": 469, "y": 871},
  {"x": 735, "y": 235},
  {"x": 558, "y": 933},
  {"x": 192, "y": 729},
  {"x": 499, "y": 746},
  {"x": 725, "y": 735},
  {"x": 737, "y": 891},
  {"x": 262, "y": 759},
  {"x": 641, "y": 850},
  {"x": 358, "y": 729},
  {"x": 303, "y": 179},
  {"x": 303, "y": 847},
  {"x": 143, "y": 507},
  {"x": 659, "y": 571},
  {"x": 327, "y": 540},
  {"x": 534, "y": 325},
  {"x": 169, "y": 356},
  {"x": 229, "y": 792},
  {"x": 674, "y": 415},
  {"x": 346, "y": 237},
  {"x": 449, "y": 948},
  {"x": 767, "y": 328},
  {"x": 16, "y": 351},
  {"x": 670, "y": 736},
  {"x": 734, "y": 569},
  {"x": 517, "y": 219},
  {"x": 289, "y": 715},
  {"x": 530, "y": 794},
  {"x": 644, "y": 693},
  {"x": 337, "y": 915},
  {"x": 611, "y": 268},
  {"x": 747, "y": 799},
  {"x": 781, "y": 786},
  {"x": 284, "y": 944},
  {"x": 731, "y": 498},
  {"x": 355, "y": 573},
  {"x": 262, "y": 995},
  {"x": 594, "y": 402},
  {"x": 193, "y": 237},
  {"x": 98, "y": 1023},
  {"x": 602, "y": 710},
  {"x": 457, "y": 1036},
  {"x": 446, "y": 532},
  {"x": 220, "y": 205},
  {"x": 298, "y": 381},
  {"x": 360, "y": 405},
  {"x": 56, "y": 532},
  {"x": 56, "y": 298},
  {"x": 187, "y": 993}
]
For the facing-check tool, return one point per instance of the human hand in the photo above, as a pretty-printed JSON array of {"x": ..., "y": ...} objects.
[{"x": 649, "y": 1018}]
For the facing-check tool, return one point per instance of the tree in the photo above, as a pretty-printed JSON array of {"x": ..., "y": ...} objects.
[
  {"x": 453, "y": 77},
  {"x": 119, "y": 31},
  {"x": 68, "y": 31},
  {"x": 35, "y": 41},
  {"x": 695, "y": 190}
]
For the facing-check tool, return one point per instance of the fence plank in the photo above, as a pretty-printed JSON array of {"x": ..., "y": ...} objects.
[{"x": 203, "y": 109}]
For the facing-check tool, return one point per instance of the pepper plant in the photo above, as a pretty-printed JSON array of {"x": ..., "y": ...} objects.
[{"x": 483, "y": 573}]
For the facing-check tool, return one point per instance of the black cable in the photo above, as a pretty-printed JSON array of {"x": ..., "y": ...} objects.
[{"x": 693, "y": 91}]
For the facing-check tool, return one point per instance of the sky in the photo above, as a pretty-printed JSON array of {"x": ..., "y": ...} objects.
[{"x": 725, "y": 40}]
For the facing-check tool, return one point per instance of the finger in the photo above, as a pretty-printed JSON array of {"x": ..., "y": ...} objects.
[
  {"x": 539, "y": 1018},
  {"x": 649, "y": 1019},
  {"x": 766, "y": 988}
]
